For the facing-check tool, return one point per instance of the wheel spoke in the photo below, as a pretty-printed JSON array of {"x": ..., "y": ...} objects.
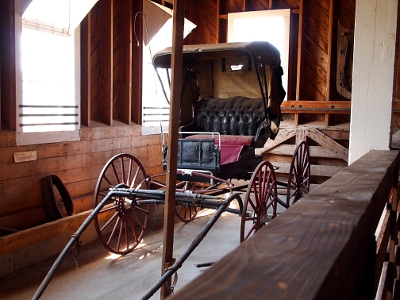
[
  {"x": 119, "y": 234},
  {"x": 134, "y": 179},
  {"x": 129, "y": 172},
  {"x": 115, "y": 173},
  {"x": 138, "y": 222},
  {"x": 133, "y": 230},
  {"x": 113, "y": 231},
  {"x": 106, "y": 179},
  {"x": 109, "y": 221},
  {"x": 108, "y": 208},
  {"x": 126, "y": 233}
]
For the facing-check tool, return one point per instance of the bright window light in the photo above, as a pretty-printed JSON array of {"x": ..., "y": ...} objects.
[
  {"x": 236, "y": 67},
  {"x": 272, "y": 26},
  {"x": 47, "y": 47},
  {"x": 48, "y": 90}
]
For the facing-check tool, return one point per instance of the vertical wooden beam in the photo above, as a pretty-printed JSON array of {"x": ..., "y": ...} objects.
[
  {"x": 293, "y": 51},
  {"x": 176, "y": 70},
  {"x": 270, "y": 4},
  {"x": 85, "y": 70},
  {"x": 331, "y": 44},
  {"x": 300, "y": 51},
  {"x": 373, "y": 76},
  {"x": 394, "y": 232},
  {"x": 218, "y": 21},
  {"x": 137, "y": 61},
  {"x": 7, "y": 65},
  {"x": 109, "y": 61},
  {"x": 101, "y": 62},
  {"x": 301, "y": 134},
  {"x": 122, "y": 58},
  {"x": 330, "y": 60}
]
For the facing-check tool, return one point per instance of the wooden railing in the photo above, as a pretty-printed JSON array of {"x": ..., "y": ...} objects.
[{"x": 335, "y": 243}]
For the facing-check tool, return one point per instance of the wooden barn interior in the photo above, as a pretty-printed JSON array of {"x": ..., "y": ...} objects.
[{"x": 342, "y": 97}]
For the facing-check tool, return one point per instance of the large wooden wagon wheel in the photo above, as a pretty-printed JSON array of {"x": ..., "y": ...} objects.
[
  {"x": 260, "y": 200},
  {"x": 120, "y": 226},
  {"x": 299, "y": 174}
]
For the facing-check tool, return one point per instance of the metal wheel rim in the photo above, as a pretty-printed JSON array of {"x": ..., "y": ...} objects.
[
  {"x": 120, "y": 227},
  {"x": 299, "y": 174},
  {"x": 261, "y": 195}
]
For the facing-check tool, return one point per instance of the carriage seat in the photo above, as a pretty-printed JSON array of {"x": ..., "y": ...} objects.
[
  {"x": 240, "y": 121},
  {"x": 229, "y": 116}
]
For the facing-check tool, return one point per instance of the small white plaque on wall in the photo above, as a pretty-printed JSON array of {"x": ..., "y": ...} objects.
[{"x": 25, "y": 156}]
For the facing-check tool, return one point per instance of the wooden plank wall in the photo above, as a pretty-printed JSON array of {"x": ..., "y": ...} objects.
[
  {"x": 78, "y": 164},
  {"x": 314, "y": 110},
  {"x": 396, "y": 106},
  {"x": 110, "y": 108},
  {"x": 111, "y": 86}
]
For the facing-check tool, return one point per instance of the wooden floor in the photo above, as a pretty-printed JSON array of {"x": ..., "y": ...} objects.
[{"x": 104, "y": 276}]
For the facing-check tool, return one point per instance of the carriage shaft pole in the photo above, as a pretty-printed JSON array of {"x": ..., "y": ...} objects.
[
  {"x": 178, "y": 264},
  {"x": 153, "y": 196},
  {"x": 70, "y": 244}
]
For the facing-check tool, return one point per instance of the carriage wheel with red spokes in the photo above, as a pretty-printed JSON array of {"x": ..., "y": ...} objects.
[
  {"x": 186, "y": 213},
  {"x": 260, "y": 200},
  {"x": 119, "y": 225},
  {"x": 299, "y": 174}
]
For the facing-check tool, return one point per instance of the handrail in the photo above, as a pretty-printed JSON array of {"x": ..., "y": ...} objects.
[
  {"x": 323, "y": 247},
  {"x": 211, "y": 133}
]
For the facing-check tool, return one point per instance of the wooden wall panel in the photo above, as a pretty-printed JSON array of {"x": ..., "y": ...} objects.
[
  {"x": 272, "y": 4},
  {"x": 205, "y": 15},
  {"x": 396, "y": 104},
  {"x": 78, "y": 164},
  {"x": 257, "y": 5},
  {"x": 344, "y": 14},
  {"x": 106, "y": 92},
  {"x": 137, "y": 55},
  {"x": 7, "y": 69},
  {"x": 122, "y": 61},
  {"x": 101, "y": 62},
  {"x": 316, "y": 45}
]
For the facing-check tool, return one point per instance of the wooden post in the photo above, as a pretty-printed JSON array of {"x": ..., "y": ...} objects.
[{"x": 176, "y": 78}]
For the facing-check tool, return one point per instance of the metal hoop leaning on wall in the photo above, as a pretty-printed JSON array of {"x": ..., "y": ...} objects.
[{"x": 49, "y": 202}]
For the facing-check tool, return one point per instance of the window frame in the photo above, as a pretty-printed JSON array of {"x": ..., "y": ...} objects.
[{"x": 31, "y": 138}]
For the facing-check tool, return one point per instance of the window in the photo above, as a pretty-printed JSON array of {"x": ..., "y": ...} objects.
[
  {"x": 157, "y": 35},
  {"x": 48, "y": 69},
  {"x": 272, "y": 26}
]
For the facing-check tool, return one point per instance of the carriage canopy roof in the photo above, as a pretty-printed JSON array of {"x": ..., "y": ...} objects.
[{"x": 260, "y": 52}]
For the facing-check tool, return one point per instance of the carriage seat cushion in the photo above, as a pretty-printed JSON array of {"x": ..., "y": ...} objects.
[
  {"x": 231, "y": 146},
  {"x": 228, "y": 116}
]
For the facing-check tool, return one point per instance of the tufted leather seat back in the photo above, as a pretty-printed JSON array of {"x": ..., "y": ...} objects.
[{"x": 230, "y": 116}]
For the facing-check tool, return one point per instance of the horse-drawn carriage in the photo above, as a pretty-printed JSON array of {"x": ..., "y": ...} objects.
[{"x": 230, "y": 105}]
